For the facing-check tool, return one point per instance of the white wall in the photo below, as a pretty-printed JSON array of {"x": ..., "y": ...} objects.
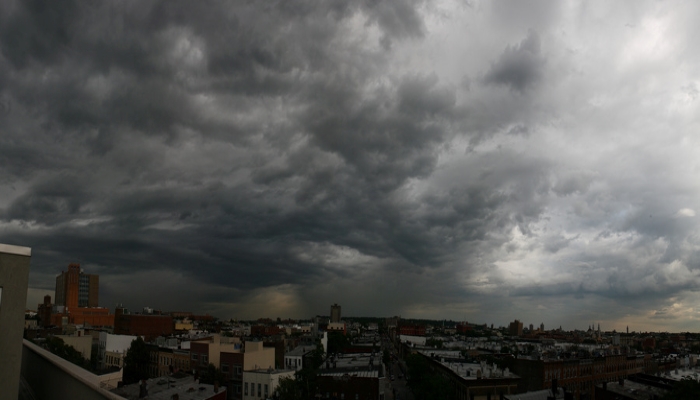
[{"x": 271, "y": 379}]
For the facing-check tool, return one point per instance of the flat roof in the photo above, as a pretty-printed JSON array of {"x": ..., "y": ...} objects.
[
  {"x": 300, "y": 351},
  {"x": 356, "y": 374},
  {"x": 158, "y": 389},
  {"x": 634, "y": 390},
  {"x": 268, "y": 371},
  {"x": 351, "y": 362},
  {"x": 466, "y": 370},
  {"x": 16, "y": 250}
]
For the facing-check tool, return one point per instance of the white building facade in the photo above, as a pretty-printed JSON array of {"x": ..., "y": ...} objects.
[{"x": 262, "y": 383}]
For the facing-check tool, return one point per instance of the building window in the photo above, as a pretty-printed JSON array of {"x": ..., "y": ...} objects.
[
  {"x": 194, "y": 357},
  {"x": 259, "y": 391},
  {"x": 224, "y": 368},
  {"x": 205, "y": 359},
  {"x": 266, "y": 392},
  {"x": 245, "y": 390}
]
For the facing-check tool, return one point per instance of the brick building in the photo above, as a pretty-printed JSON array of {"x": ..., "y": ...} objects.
[
  {"x": 515, "y": 328},
  {"x": 44, "y": 311},
  {"x": 74, "y": 288},
  {"x": 463, "y": 327},
  {"x": 578, "y": 376},
  {"x": 265, "y": 330},
  {"x": 252, "y": 356},
  {"x": 83, "y": 316},
  {"x": 412, "y": 330},
  {"x": 148, "y": 326}
]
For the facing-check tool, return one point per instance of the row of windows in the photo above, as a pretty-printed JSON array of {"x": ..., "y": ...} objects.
[
  {"x": 202, "y": 358},
  {"x": 588, "y": 370},
  {"x": 237, "y": 371},
  {"x": 296, "y": 360},
  {"x": 111, "y": 360},
  {"x": 252, "y": 389}
]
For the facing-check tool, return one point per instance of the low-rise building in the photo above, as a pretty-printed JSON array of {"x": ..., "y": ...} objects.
[
  {"x": 112, "y": 349},
  {"x": 146, "y": 325},
  {"x": 177, "y": 386},
  {"x": 79, "y": 342},
  {"x": 262, "y": 383},
  {"x": 295, "y": 359},
  {"x": 472, "y": 380},
  {"x": 208, "y": 350},
  {"x": 357, "y": 376},
  {"x": 248, "y": 357}
]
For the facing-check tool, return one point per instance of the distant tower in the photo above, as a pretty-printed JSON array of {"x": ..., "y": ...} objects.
[
  {"x": 542, "y": 327},
  {"x": 598, "y": 327},
  {"x": 77, "y": 289},
  {"x": 335, "y": 313},
  {"x": 531, "y": 328},
  {"x": 628, "y": 329},
  {"x": 515, "y": 328},
  {"x": 44, "y": 311}
]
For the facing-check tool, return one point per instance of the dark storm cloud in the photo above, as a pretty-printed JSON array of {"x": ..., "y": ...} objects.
[
  {"x": 281, "y": 155},
  {"x": 112, "y": 102},
  {"x": 519, "y": 67}
]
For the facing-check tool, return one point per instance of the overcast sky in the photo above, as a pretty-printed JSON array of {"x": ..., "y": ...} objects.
[{"x": 472, "y": 160}]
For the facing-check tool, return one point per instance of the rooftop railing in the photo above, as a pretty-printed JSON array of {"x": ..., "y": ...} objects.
[{"x": 49, "y": 377}]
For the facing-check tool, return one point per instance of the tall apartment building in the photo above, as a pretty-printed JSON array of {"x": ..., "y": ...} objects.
[
  {"x": 335, "y": 313},
  {"x": 77, "y": 289},
  {"x": 515, "y": 328}
]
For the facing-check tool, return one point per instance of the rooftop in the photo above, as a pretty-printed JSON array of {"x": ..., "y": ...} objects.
[
  {"x": 352, "y": 361},
  {"x": 161, "y": 389},
  {"x": 16, "y": 250},
  {"x": 269, "y": 371},
  {"x": 300, "y": 351},
  {"x": 536, "y": 395},
  {"x": 634, "y": 390},
  {"x": 359, "y": 373},
  {"x": 466, "y": 370}
]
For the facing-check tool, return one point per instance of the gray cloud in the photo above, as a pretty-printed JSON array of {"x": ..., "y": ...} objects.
[
  {"x": 270, "y": 158},
  {"x": 519, "y": 67}
]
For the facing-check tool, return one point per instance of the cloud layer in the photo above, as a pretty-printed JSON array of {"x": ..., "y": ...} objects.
[{"x": 441, "y": 160}]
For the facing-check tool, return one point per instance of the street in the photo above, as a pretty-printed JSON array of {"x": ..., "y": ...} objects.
[{"x": 396, "y": 369}]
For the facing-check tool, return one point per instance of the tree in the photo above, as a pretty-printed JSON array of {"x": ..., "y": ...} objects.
[
  {"x": 136, "y": 362},
  {"x": 305, "y": 382},
  {"x": 289, "y": 389},
  {"x": 316, "y": 357},
  {"x": 337, "y": 342},
  {"x": 211, "y": 375},
  {"x": 58, "y": 347},
  {"x": 426, "y": 383}
]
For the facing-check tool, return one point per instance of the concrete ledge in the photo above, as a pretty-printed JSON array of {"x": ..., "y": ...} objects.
[
  {"x": 52, "y": 377},
  {"x": 16, "y": 250}
]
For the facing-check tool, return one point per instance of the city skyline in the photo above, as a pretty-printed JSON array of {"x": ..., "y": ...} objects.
[{"x": 479, "y": 161}]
